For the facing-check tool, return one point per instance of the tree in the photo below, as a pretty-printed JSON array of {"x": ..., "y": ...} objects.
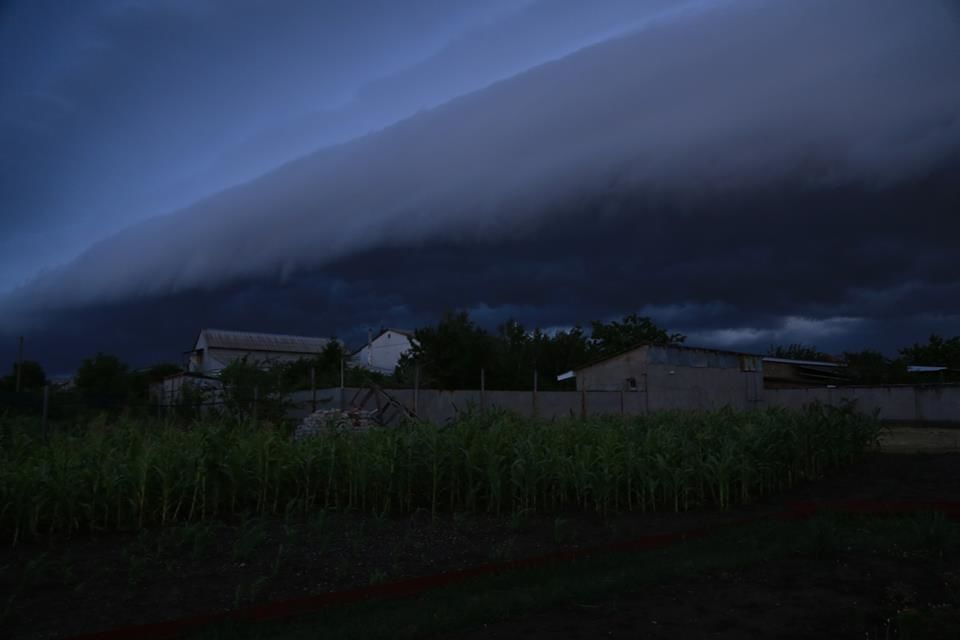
[
  {"x": 325, "y": 365},
  {"x": 936, "y": 352},
  {"x": 799, "y": 351},
  {"x": 32, "y": 377},
  {"x": 608, "y": 339},
  {"x": 451, "y": 354},
  {"x": 140, "y": 381},
  {"x": 872, "y": 367},
  {"x": 251, "y": 388},
  {"x": 104, "y": 381}
]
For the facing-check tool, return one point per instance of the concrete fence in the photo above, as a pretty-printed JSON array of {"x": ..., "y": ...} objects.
[
  {"x": 920, "y": 404},
  {"x": 440, "y": 406},
  {"x": 896, "y": 403}
]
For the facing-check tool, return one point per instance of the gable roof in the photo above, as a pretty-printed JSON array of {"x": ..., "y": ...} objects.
[
  {"x": 403, "y": 332},
  {"x": 682, "y": 347},
  {"x": 271, "y": 342}
]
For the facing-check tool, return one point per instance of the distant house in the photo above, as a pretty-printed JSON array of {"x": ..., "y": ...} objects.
[
  {"x": 675, "y": 376},
  {"x": 382, "y": 352},
  {"x": 784, "y": 373},
  {"x": 214, "y": 349}
]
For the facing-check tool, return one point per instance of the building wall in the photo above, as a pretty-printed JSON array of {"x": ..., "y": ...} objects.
[
  {"x": 213, "y": 360},
  {"x": 383, "y": 354},
  {"x": 680, "y": 377},
  {"x": 614, "y": 373}
]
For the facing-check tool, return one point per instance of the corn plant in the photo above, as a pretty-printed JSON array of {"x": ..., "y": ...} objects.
[{"x": 127, "y": 475}]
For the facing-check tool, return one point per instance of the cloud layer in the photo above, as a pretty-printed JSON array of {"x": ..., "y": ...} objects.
[{"x": 755, "y": 164}]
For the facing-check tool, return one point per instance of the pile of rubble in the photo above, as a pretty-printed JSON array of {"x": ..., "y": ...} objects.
[{"x": 336, "y": 421}]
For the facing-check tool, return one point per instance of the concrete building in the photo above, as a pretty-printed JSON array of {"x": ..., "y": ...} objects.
[
  {"x": 676, "y": 376},
  {"x": 214, "y": 349},
  {"x": 383, "y": 352}
]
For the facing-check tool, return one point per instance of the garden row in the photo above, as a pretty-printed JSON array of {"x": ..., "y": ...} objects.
[{"x": 128, "y": 476}]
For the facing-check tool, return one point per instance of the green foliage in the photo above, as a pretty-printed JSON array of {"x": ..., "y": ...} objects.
[
  {"x": 131, "y": 475},
  {"x": 938, "y": 351},
  {"x": 617, "y": 336},
  {"x": 451, "y": 354},
  {"x": 32, "y": 377},
  {"x": 295, "y": 375},
  {"x": 104, "y": 381},
  {"x": 254, "y": 390},
  {"x": 798, "y": 351},
  {"x": 872, "y": 367}
]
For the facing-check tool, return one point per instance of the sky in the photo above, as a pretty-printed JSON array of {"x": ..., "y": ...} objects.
[{"x": 747, "y": 172}]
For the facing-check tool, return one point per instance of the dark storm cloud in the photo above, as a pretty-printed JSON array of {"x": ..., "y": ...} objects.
[
  {"x": 846, "y": 275},
  {"x": 748, "y": 171},
  {"x": 115, "y": 111},
  {"x": 111, "y": 107}
]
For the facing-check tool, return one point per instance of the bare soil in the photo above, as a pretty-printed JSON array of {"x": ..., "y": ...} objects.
[
  {"x": 792, "y": 597},
  {"x": 56, "y": 588}
]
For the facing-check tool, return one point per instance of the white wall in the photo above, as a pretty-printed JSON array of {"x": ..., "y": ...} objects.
[{"x": 383, "y": 354}]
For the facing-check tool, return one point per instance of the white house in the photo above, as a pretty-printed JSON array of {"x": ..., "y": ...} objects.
[
  {"x": 214, "y": 349},
  {"x": 382, "y": 353}
]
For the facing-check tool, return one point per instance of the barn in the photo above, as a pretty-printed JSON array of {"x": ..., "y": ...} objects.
[
  {"x": 675, "y": 376},
  {"x": 214, "y": 349}
]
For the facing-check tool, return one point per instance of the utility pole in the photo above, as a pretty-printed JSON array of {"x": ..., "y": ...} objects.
[{"x": 19, "y": 363}]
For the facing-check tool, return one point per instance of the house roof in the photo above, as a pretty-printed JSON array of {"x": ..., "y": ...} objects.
[
  {"x": 665, "y": 346},
  {"x": 270, "y": 342},
  {"x": 403, "y": 332}
]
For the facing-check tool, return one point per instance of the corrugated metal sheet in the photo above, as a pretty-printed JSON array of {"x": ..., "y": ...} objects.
[{"x": 245, "y": 341}]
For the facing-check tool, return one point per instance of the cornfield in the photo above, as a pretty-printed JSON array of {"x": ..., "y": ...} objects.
[{"x": 128, "y": 476}]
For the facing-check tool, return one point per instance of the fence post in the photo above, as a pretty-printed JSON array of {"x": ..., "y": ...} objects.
[
  {"x": 19, "y": 362},
  {"x": 313, "y": 389},
  {"x": 416, "y": 390},
  {"x": 646, "y": 394},
  {"x": 483, "y": 388},
  {"x": 46, "y": 402}
]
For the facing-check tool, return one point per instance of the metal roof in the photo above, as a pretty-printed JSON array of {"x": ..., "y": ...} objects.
[
  {"x": 271, "y": 342},
  {"x": 809, "y": 363}
]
